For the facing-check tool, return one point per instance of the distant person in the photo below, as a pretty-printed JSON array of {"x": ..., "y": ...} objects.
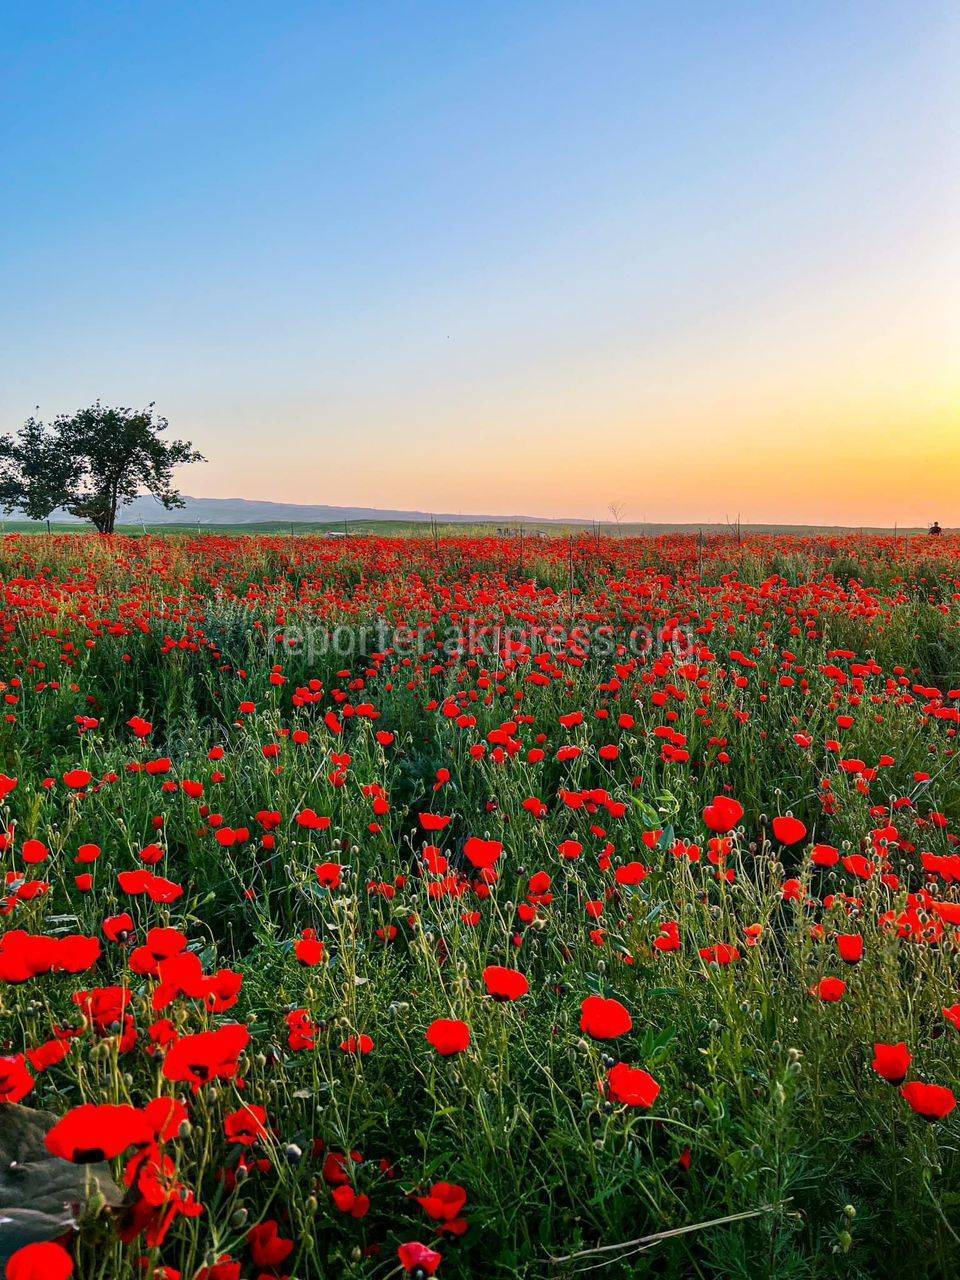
[{"x": 935, "y": 530}]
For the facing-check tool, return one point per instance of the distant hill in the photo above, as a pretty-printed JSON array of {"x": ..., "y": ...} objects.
[
  {"x": 255, "y": 515},
  {"x": 254, "y": 511}
]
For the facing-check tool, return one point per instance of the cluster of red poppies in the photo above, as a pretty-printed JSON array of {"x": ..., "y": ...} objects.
[{"x": 191, "y": 797}]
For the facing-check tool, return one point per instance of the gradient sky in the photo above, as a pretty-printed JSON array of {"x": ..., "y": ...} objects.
[{"x": 697, "y": 259}]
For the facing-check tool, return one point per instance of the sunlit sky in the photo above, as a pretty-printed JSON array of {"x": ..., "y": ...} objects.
[{"x": 699, "y": 260}]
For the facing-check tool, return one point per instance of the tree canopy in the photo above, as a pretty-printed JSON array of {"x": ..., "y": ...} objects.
[{"x": 91, "y": 463}]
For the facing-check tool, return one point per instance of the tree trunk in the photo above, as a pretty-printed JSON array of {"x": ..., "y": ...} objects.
[{"x": 112, "y": 509}]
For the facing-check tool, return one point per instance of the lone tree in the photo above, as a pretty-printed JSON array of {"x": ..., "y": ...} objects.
[{"x": 91, "y": 463}]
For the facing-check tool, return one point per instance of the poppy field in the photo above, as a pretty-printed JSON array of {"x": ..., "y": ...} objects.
[{"x": 479, "y": 906}]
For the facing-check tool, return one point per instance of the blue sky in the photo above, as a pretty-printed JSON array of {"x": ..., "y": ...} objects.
[{"x": 697, "y": 259}]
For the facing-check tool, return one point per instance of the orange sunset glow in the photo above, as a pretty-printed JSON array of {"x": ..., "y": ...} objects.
[{"x": 699, "y": 265}]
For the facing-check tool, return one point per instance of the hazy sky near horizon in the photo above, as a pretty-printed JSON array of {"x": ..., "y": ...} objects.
[{"x": 696, "y": 259}]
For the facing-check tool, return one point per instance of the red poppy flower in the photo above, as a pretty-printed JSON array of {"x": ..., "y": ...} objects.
[
  {"x": 415, "y": 1256},
  {"x": 669, "y": 937},
  {"x": 34, "y": 852},
  {"x": 443, "y": 1201},
  {"x": 166, "y": 1117},
  {"x": 118, "y": 928},
  {"x": 434, "y": 821},
  {"x": 308, "y": 949},
  {"x": 76, "y": 953},
  {"x": 892, "y": 1061},
  {"x": 850, "y": 947},
  {"x": 160, "y": 945},
  {"x": 311, "y": 821},
  {"x": 15, "y": 1080},
  {"x": 156, "y": 888},
  {"x": 206, "y": 1055},
  {"x": 722, "y": 814},
  {"x": 91, "y": 1133},
  {"x": 302, "y": 1034},
  {"x": 360, "y": 1045},
  {"x": 267, "y": 1247},
  {"x": 482, "y": 853},
  {"x": 24, "y": 956},
  {"x": 246, "y": 1126},
  {"x": 631, "y": 1086},
  {"x": 721, "y": 953},
  {"x": 789, "y": 830},
  {"x": 604, "y": 1019},
  {"x": 931, "y": 1101},
  {"x": 329, "y": 875},
  {"x": 631, "y": 873},
  {"x": 503, "y": 983},
  {"x": 104, "y": 1006},
  {"x": 448, "y": 1036},
  {"x": 77, "y": 779},
  {"x": 829, "y": 990},
  {"x": 347, "y": 1201},
  {"x": 43, "y": 1261},
  {"x": 45, "y": 1056}
]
